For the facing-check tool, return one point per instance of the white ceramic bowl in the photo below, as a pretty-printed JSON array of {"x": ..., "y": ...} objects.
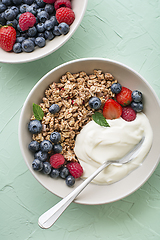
[
  {"x": 96, "y": 194},
  {"x": 79, "y": 8}
]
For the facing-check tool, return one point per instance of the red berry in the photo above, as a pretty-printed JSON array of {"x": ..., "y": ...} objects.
[
  {"x": 49, "y": 1},
  {"x": 7, "y": 38},
  {"x": 57, "y": 160},
  {"x": 26, "y": 20},
  {"x": 65, "y": 14},
  {"x": 124, "y": 97},
  {"x": 112, "y": 109},
  {"x": 128, "y": 114},
  {"x": 62, "y": 3},
  {"x": 75, "y": 169}
]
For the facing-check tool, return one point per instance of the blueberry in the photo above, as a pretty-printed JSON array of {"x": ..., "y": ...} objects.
[
  {"x": 42, "y": 156},
  {"x": 40, "y": 42},
  {"x": 64, "y": 172},
  {"x": 54, "y": 108},
  {"x": 17, "y": 48},
  {"x": 32, "y": 39},
  {"x": 2, "y": 7},
  {"x": 137, "y": 106},
  {"x": 32, "y": 31},
  {"x": 15, "y": 9},
  {"x": 40, "y": 27},
  {"x": 40, "y": 35},
  {"x": 54, "y": 20},
  {"x": 28, "y": 45},
  {"x": 39, "y": 10},
  {"x": 37, "y": 165},
  {"x": 46, "y": 146},
  {"x": 35, "y": 126},
  {"x": 23, "y": 8},
  {"x": 95, "y": 102},
  {"x": 7, "y": 2},
  {"x": 32, "y": 9},
  {"x": 54, "y": 173},
  {"x": 57, "y": 148},
  {"x": 33, "y": 146},
  {"x": 17, "y": 2},
  {"x": 9, "y": 14},
  {"x": 46, "y": 168},
  {"x": 48, "y": 35},
  {"x": 116, "y": 88},
  {"x": 49, "y": 8},
  {"x": 55, "y": 137},
  {"x": 2, "y": 19},
  {"x": 40, "y": 3},
  {"x": 136, "y": 96},
  {"x": 12, "y": 23},
  {"x": 28, "y": 2},
  {"x": 70, "y": 180},
  {"x": 43, "y": 16},
  {"x": 20, "y": 39},
  {"x": 63, "y": 28},
  {"x": 56, "y": 31},
  {"x": 48, "y": 25}
]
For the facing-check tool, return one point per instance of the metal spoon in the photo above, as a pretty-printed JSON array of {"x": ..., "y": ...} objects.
[{"x": 47, "y": 219}]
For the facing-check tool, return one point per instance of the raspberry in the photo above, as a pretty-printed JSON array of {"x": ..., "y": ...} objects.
[
  {"x": 57, "y": 160},
  {"x": 128, "y": 114},
  {"x": 49, "y": 1},
  {"x": 65, "y": 14},
  {"x": 26, "y": 20},
  {"x": 75, "y": 169},
  {"x": 62, "y": 3}
]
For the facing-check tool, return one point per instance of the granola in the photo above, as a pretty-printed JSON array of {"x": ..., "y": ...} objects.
[{"x": 72, "y": 94}]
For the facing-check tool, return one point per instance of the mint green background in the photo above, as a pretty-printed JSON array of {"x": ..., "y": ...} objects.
[{"x": 122, "y": 30}]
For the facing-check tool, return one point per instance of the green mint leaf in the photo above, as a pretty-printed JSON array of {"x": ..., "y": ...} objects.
[
  {"x": 100, "y": 119},
  {"x": 37, "y": 111}
]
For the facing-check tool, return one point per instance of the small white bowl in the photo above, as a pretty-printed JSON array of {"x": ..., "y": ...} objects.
[
  {"x": 79, "y": 8},
  {"x": 96, "y": 194}
]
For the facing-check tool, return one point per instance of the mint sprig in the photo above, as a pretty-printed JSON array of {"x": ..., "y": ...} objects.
[
  {"x": 37, "y": 111},
  {"x": 100, "y": 119}
]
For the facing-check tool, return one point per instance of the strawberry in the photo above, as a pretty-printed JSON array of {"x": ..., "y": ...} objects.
[
  {"x": 128, "y": 114},
  {"x": 75, "y": 169},
  {"x": 7, "y": 38},
  {"x": 112, "y": 109},
  {"x": 65, "y": 14},
  {"x": 124, "y": 97},
  {"x": 57, "y": 160}
]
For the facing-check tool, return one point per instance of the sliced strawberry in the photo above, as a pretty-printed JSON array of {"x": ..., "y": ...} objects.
[
  {"x": 112, "y": 109},
  {"x": 124, "y": 97}
]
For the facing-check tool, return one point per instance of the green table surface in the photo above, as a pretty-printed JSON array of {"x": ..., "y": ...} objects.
[{"x": 122, "y": 30}]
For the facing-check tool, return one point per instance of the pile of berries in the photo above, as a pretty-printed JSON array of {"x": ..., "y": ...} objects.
[
  {"x": 126, "y": 103},
  {"x": 26, "y": 24},
  {"x": 47, "y": 154}
]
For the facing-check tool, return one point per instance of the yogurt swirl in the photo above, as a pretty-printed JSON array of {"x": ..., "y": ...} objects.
[{"x": 96, "y": 144}]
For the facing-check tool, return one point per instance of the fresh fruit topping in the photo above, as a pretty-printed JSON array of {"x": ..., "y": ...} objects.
[
  {"x": 124, "y": 97},
  {"x": 112, "y": 109},
  {"x": 62, "y": 3},
  {"x": 28, "y": 45},
  {"x": 116, "y": 88},
  {"x": 33, "y": 146},
  {"x": 42, "y": 156},
  {"x": 128, "y": 114},
  {"x": 46, "y": 168},
  {"x": 49, "y": 1},
  {"x": 26, "y": 20},
  {"x": 46, "y": 146},
  {"x": 100, "y": 119},
  {"x": 35, "y": 126},
  {"x": 54, "y": 173},
  {"x": 7, "y": 38},
  {"x": 57, "y": 160},
  {"x": 136, "y": 96},
  {"x": 75, "y": 169},
  {"x": 57, "y": 148},
  {"x": 63, "y": 28},
  {"x": 40, "y": 42},
  {"x": 70, "y": 180},
  {"x": 37, "y": 165},
  {"x": 55, "y": 137},
  {"x": 94, "y": 103},
  {"x": 54, "y": 108},
  {"x": 64, "y": 172},
  {"x": 137, "y": 106},
  {"x": 65, "y": 14}
]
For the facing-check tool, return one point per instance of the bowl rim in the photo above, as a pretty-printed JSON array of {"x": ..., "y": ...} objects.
[
  {"x": 32, "y": 90},
  {"x": 42, "y": 55}
]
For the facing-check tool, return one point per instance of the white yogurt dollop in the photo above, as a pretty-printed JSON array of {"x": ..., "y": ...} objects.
[{"x": 96, "y": 144}]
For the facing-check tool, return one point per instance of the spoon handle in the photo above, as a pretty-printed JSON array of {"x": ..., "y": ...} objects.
[{"x": 47, "y": 219}]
